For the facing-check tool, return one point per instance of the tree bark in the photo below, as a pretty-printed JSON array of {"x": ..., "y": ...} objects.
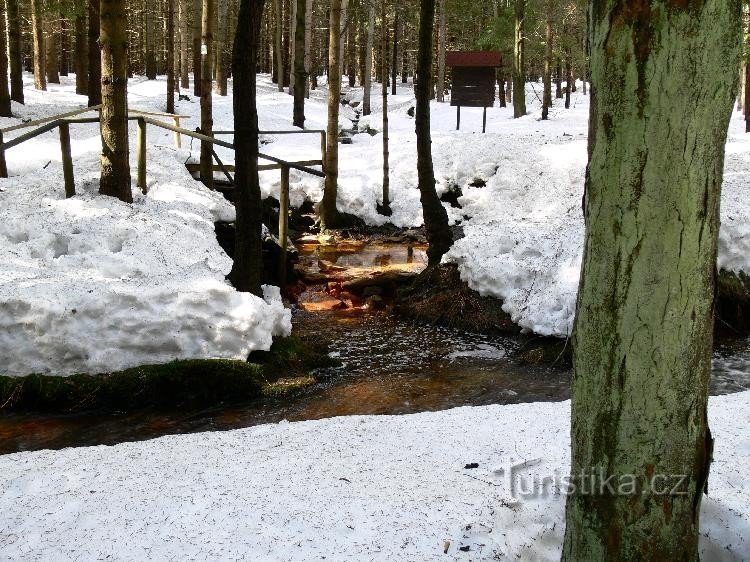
[
  {"x": 169, "y": 9},
  {"x": 366, "y": 99},
  {"x": 308, "y": 44},
  {"x": 207, "y": 121},
  {"x": 329, "y": 214},
  {"x": 115, "y": 167},
  {"x": 51, "y": 24},
  {"x": 197, "y": 15},
  {"x": 300, "y": 75},
  {"x": 248, "y": 259},
  {"x": 5, "y": 109},
  {"x": 185, "y": 41},
  {"x": 148, "y": 16},
  {"x": 435, "y": 216},
  {"x": 222, "y": 38},
  {"x": 394, "y": 54},
  {"x": 442, "y": 30},
  {"x": 278, "y": 56},
  {"x": 558, "y": 80},
  {"x": 95, "y": 58},
  {"x": 386, "y": 207},
  {"x": 15, "y": 52},
  {"x": 519, "y": 65},
  {"x": 547, "y": 97},
  {"x": 40, "y": 50},
  {"x": 81, "y": 58},
  {"x": 642, "y": 341},
  {"x": 568, "y": 77}
]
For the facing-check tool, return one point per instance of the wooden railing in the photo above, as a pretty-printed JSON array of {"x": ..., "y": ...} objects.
[{"x": 144, "y": 118}]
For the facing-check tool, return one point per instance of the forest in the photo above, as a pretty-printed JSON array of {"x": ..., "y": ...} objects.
[{"x": 374, "y": 280}]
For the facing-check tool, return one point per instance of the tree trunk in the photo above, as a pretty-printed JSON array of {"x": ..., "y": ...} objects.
[
  {"x": 51, "y": 17},
  {"x": 558, "y": 80},
  {"x": 115, "y": 167},
  {"x": 148, "y": 16},
  {"x": 248, "y": 259},
  {"x": 40, "y": 52},
  {"x": 14, "y": 52},
  {"x": 95, "y": 56},
  {"x": 278, "y": 56},
  {"x": 300, "y": 75},
  {"x": 329, "y": 214},
  {"x": 185, "y": 41},
  {"x": 519, "y": 66},
  {"x": 308, "y": 44},
  {"x": 442, "y": 30},
  {"x": 351, "y": 53},
  {"x": 197, "y": 15},
  {"x": 568, "y": 77},
  {"x": 547, "y": 98},
  {"x": 746, "y": 84},
  {"x": 207, "y": 121},
  {"x": 81, "y": 58},
  {"x": 366, "y": 100},
  {"x": 169, "y": 8},
  {"x": 386, "y": 207},
  {"x": 5, "y": 110},
  {"x": 394, "y": 54},
  {"x": 221, "y": 44},
  {"x": 642, "y": 342},
  {"x": 435, "y": 217}
]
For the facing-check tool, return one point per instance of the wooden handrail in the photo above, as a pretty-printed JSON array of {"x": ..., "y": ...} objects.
[{"x": 50, "y": 118}]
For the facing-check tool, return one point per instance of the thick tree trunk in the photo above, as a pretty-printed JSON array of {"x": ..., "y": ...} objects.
[
  {"x": 329, "y": 214},
  {"x": 366, "y": 100},
  {"x": 308, "y": 44},
  {"x": 442, "y": 30},
  {"x": 547, "y": 97},
  {"x": 248, "y": 259},
  {"x": 351, "y": 53},
  {"x": 292, "y": 44},
  {"x": 197, "y": 15},
  {"x": 94, "y": 53},
  {"x": 300, "y": 75},
  {"x": 81, "y": 58},
  {"x": 435, "y": 217},
  {"x": 207, "y": 120},
  {"x": 14, "y": 52},
  {"x": 558, "y": 80},
  {"x": 519, "y": 66},
  {"x": 169, "y": 9},
  {"x": 5, "y": 110},
  {"x": 115, "y": 167},
  {"x": 642, "y": 341},
  {"x": 40, "y": 50}
]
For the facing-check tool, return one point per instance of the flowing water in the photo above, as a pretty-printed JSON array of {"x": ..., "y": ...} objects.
[{"x": 388, "y": 366}]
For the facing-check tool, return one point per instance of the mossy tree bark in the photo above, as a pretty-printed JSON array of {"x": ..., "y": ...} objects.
[
  {"x": 435, "y": 216},
  {"x": 15, "y": 52},
  {"x": 248, "y": 261},
  {"x": 643, "y": 331},
  {"x": 95, "y": 55},
  {"x": 519, "y": 61},
  {"x": 329, "y": 213},
  {"x": 115, "y": 167}
]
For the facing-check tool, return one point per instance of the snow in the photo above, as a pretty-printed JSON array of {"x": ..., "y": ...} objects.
[
  {"x": 90, "y": 284},
  {"x": 351, "y": 488}
]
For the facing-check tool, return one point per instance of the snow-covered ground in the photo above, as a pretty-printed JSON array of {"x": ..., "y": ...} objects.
[
  {"x": 351, "y": 488},
  {"x": 90, "y": 284}
]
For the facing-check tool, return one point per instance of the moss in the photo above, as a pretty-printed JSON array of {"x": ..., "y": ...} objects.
[{"x": 191, "y": 383}]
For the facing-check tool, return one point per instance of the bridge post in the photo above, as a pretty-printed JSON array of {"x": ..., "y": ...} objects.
[
  {"x": 141, "y": 153},
  {"x": 177, "y": 135},
  {"x": 67, "y": 159},
  {"x": 3, "y": 165},
  {"x": 283, "y": 222}
]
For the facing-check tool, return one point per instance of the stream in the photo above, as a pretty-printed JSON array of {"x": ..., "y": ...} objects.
[{"x": 388, "y": 366}]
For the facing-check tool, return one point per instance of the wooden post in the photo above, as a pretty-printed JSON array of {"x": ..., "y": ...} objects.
[
  {"x": 3, "y": 165},
  {"x": 141, "y": 151},
  {"x": 458, "y": 117},
  {"x": 323, "y": 147},
  {"x": 484, "y": 120},
  {"x": 67, "y": 159},
  {"x": 283, "y": 219},
  {"x": 177, "y": 135}
]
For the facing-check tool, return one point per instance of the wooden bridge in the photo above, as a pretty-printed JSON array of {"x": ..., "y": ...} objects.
[{"x": 63, "y": 121}]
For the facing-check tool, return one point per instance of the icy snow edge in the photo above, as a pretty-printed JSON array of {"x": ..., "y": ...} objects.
[{"x": 90, "y": 284}]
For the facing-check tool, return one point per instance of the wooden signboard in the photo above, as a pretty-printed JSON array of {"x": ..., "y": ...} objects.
[{"x": 473, "y": 80}]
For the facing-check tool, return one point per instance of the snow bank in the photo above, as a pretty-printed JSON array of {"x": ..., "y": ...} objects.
[
  {"x": 90, "y": 284},
  {"x": 352, "y": 488}
]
